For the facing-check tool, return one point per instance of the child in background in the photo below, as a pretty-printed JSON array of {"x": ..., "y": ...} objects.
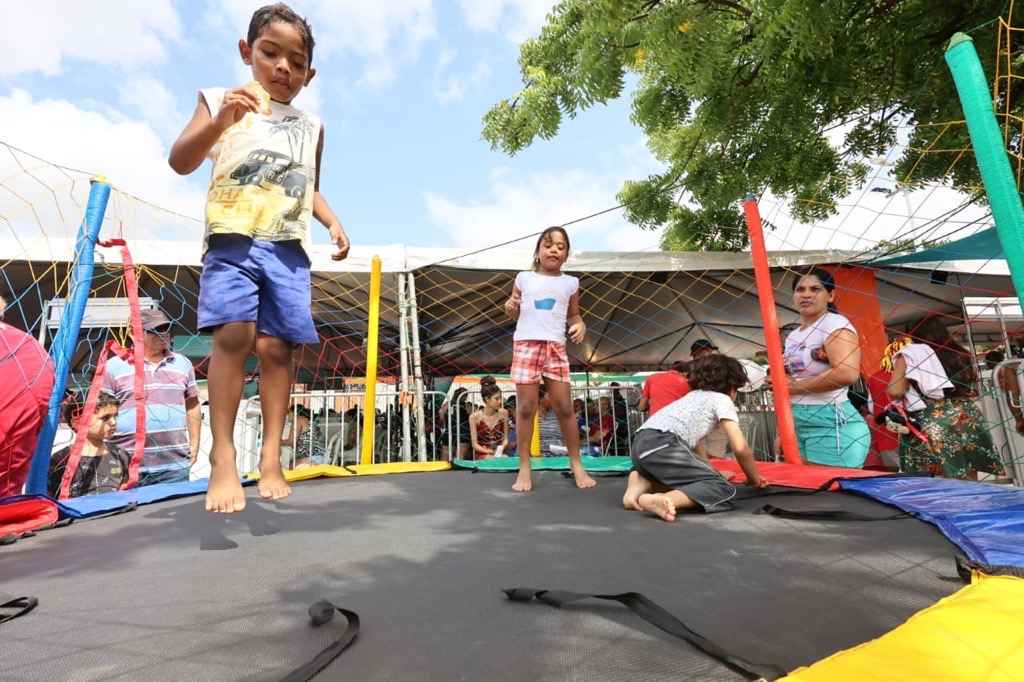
[
  {"x": 102, "y": 468},
  {"x": 543, "y": 302},
  {"x": 255, "y": 286},
  {"x": 670, "y": 469},
  {"x": 488, "y": 428}
]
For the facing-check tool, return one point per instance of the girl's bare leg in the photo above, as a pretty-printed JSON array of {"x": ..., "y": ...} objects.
[
  {"x": 561, "y": 402},
  {"x": 526, "y": 409}
]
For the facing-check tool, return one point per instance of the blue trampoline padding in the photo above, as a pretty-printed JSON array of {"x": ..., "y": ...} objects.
[
  {"x": 985, "y": 521},
  {"x": 90, "y": 505}
]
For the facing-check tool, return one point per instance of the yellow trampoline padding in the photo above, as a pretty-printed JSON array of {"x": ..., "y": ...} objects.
[
  {"x": 975, "y": 634},
  {"x": 319, "y": 470}
]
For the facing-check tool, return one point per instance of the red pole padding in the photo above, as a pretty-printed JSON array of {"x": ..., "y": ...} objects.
[{"x": 766, "y": 297}]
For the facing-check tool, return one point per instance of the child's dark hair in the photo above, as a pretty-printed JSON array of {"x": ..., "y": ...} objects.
[
  {"x": 718, "y": 373},
  {"x": 72, "y": 407},
  {"x": 488, "y": 387},
  {"x": 824, "y": 276},
  {"x": 544, "y": 235},
  {"x": 954, "y": 358},
  {"x": 268, "y": 14}
]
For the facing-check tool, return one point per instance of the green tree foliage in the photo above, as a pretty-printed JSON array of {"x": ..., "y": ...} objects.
[{"x": 786, "y": 96}]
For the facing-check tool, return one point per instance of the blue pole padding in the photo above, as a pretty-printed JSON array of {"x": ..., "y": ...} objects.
[
  {"x": 990, "y": 152},
  {"x": 63, "y": 347}
]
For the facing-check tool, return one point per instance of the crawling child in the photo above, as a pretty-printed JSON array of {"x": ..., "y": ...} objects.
[{"x": 670, "y": 470}]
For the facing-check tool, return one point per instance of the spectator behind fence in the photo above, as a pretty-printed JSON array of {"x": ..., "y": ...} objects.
[
  {"x": 102, "y": 468},
  {"x": 602, "y": 429},
  {"x": 1006, "y": 379},
  {"x": 455, "y": 414},
  {"x": 171, "y": 399},
  {"x": 822, "y": 361},
  {"x": 306, "y": 439},
  {"x": 488, "y": 427},
  {"x": 670, "y": 469},
  {"x": 933, "y": 377},
  {"x": 26, "y": 375},
  {"x": 664, "y": 388},
  {"x": 548, "y": 428}
]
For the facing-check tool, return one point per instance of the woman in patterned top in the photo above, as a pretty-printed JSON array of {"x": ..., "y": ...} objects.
[
  {"x": 310, "y": 445},
  {"x": 488, "y": 427}
]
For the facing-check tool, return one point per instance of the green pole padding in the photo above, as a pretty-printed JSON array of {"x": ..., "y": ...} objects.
[{"x": 990, "y": 151}]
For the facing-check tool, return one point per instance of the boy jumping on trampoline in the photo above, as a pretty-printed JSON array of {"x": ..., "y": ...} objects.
[
  {"x": 670, "y": 470},
  {"x": 255, "y": 286},
  {"x": 543, "y": 302}
]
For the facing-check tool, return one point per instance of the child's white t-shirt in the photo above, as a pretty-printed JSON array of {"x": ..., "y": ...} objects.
[
  {"x": 693, "y": 416},
  {"x": 805, "y": 357},
  {"x": 544, "y": 307}
]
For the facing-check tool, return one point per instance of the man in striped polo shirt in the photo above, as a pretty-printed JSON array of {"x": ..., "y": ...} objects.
[{"x": 173, "y": 415}]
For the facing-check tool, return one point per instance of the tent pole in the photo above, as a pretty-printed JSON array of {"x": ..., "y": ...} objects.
[
  {"x": 403, "y": 356},
  {"x": 417, "y": 370}
]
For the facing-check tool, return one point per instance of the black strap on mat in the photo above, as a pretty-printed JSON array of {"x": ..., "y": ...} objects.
[
  {"x": 827, "y": 514},
  {"x": 319, "y": 613},
  {"x": 22, "y": 604},
  {"x": 659, "y": 617},
  {"x": 965, "y": 566}
]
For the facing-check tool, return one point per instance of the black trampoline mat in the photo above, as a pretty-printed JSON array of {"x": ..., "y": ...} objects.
[{"x": 171, "y": 592}]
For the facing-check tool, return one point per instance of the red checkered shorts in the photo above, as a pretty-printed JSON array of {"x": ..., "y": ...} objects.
[{"x": 532, "y": 360}]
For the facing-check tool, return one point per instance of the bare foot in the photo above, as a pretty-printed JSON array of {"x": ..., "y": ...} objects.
[
  {"x": 524, "y": 482},
  {"x": 224, "y": 494},
  {"x": 582, "y": 478},
  {"x": 659, "y": 505},
  {"x": 272, "y": 485},
  {"x": 637, "y": 486}
]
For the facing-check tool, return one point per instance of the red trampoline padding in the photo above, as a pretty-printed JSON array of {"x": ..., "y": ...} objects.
[
  {"x": 26, "y": 512},
  {"x": 809, "y": 476}
]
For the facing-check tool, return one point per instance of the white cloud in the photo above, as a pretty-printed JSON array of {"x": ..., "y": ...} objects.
[
  {"x": 130, "y": 154},
  {"x": 449, "y": 88},
  {"x": 151, "y": 100},
  {"x": 523, "y": 205},
  {"x": 42, "y": 34},
  {"x": 516, "y": 20}
]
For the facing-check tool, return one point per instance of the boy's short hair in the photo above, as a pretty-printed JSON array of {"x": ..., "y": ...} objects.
[
  {"x": 268, "y": 14},
  {"x": 718, "y": 373},
  {"x": 72, "y": 407}
]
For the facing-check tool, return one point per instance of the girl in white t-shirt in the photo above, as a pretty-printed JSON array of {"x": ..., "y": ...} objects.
[
  {"x": 543, "y": 302},
  {"x": 822, "y": 360}
]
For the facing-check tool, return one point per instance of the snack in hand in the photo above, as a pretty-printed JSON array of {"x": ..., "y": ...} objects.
[{"x": 264, "y": 97}]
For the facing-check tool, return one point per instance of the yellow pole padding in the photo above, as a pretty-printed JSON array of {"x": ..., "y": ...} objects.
[{"x": 372, "y": 341}]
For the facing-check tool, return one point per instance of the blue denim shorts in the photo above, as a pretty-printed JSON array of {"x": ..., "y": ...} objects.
[{"x": 251, "y": 280}]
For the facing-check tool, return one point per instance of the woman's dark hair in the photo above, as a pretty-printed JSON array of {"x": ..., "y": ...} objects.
[
  {"x": 683, "y": 367},
  {"x": 718, "y": 373},
  {"x": 488, "y": 387},
  {"x": 268, "y": 14},
  {"x": 824, "y": 276},
  {"x": 303, "y": 411},
  {"x": 544, "y": 235},
  {"x": 955, "y": 359}
]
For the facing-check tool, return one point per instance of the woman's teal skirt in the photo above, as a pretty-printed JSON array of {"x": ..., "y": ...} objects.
[{"x": 835, "y": 434}]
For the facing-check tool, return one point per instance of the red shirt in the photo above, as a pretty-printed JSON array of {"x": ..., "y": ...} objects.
[{"x": 664, "y": 388}]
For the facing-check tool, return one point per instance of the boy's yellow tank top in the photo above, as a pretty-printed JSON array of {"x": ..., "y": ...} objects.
[{"x": 264, "y": 173}]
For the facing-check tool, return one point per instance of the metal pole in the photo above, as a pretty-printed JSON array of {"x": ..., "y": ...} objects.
[
  {"x": 417, "y": 370},
  {"x": 403, "y": 356}
]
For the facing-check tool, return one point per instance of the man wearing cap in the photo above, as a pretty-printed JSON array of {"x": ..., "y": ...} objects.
[
  {"x": 173, "y": 415},
  {"x": 701, "y": 348}
]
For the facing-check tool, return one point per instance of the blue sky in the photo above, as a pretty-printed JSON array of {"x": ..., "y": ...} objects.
[{"x": 401, "y": 86}]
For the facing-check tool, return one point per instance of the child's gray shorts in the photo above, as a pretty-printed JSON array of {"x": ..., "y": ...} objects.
[{"x": 663, "y": 457}]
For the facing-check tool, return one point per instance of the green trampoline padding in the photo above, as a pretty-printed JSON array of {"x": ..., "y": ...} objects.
[{"x": 592, "y": 464}]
